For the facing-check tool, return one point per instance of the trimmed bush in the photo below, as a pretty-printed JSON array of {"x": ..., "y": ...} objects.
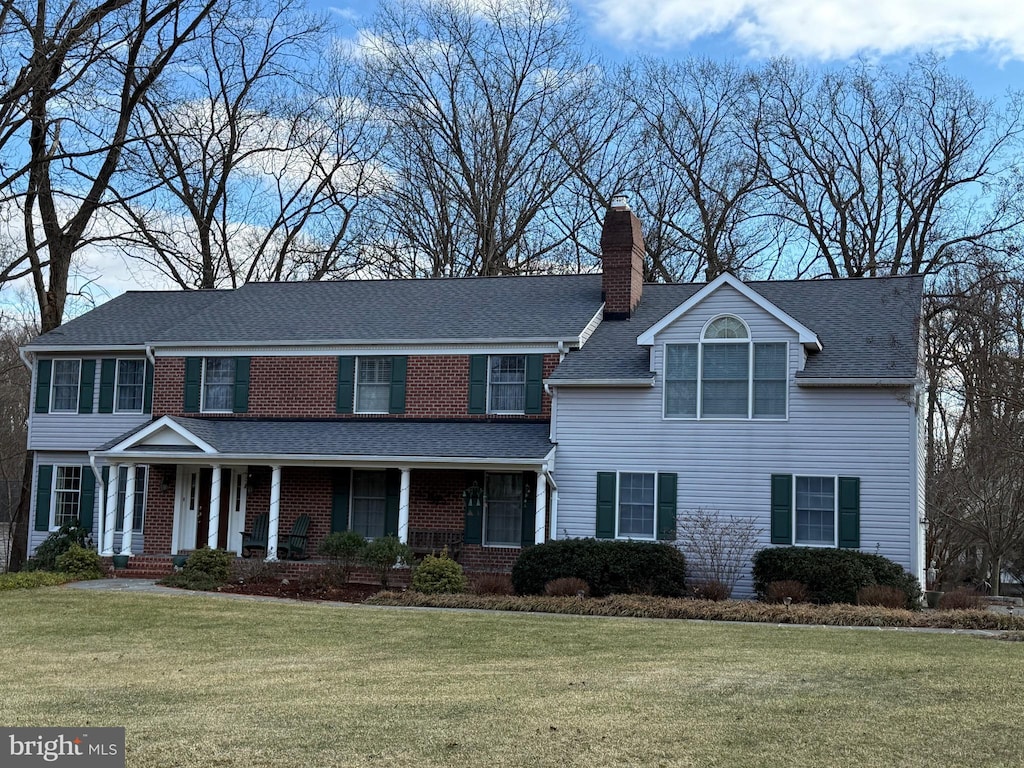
[
  {"x": 883, "y": 595},
  {"x": 963, "y": 598},
  {"x": 56, "y": 544},
  {"x": 832, "y": 575},
  {"x": 492, "y": 584},
  {"x": 205, "y": 570},
  {"x": 609, "y": 567},
  {"x": 778, "y": 591},
  {"x": 439, "y": 575},
  {"x": 567, "y": 587},
  {"x": 80, "y": 563},
  {"x": 345, "y": 549},
  {"x": 384, "y": 553},
  {"x": 33, "y": 579}
]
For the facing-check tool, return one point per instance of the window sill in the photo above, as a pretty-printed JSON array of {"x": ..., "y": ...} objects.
[{"x": 502, "y": 546}]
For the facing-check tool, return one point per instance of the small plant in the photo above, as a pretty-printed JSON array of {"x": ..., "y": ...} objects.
[
  {"x": 492, "y": 584},
  {"x": 384, "y": 553},
  {"x": 711, "y": 589},
  {"x": 57, "y": 543},
  {"x": 778, "y": 591},
  {"x": 345, "y": 550},
  {"x": 883, "y": 595},
  {"x": 439, "y": 575},
  {"x": 80, "y": 563},
  {"x": 960, "y": 599},
  {"x": 717, "y": 548},
  {"x": 567, "y": 587},
  {"x": 205, "y": 570},
  {"x": 254, "y": 571}
]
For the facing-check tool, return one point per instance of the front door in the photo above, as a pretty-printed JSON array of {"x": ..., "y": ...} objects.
[{"x": 192, "y": 508}]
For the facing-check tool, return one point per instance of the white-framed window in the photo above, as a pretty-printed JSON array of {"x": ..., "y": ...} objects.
[
  {"x": 503, "y": 509},
  {"x": 815, "y": 511},
  {"x": 67, "y": 375},
  {"x": 726, "y": 375},
  {"x": 369, "y": 503},
  {"x": 373, "y": 384},
  {"x": 506, "y": 384},
  {"x": 129, "y": 386},
  {"x": 139, "y": 509},
  {"x": 636, "y": 505},
  {"x": 67, "y": 495},
  {"x": 218, "y": 384}
]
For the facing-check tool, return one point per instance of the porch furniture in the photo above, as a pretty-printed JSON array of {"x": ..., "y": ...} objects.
[
  {"x": 425, "y": 543},
  {"x": 256, "y": 539},
  {"x": 293, "y": 546}
]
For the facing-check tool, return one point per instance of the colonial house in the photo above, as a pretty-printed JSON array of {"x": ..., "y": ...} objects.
[{"x": 499, "y": 412}]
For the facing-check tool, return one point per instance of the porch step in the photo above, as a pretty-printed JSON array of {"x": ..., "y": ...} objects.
[{"x": 141, "y": 567}]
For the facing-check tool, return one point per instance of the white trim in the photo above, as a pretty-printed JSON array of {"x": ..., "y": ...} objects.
[
  {"x": 328, "y": 460},
  {"x": 393, "y": 347},
  {"x": 638, "y": 383},
  {"x": 618, "y": 504},
  {"x": 82, "y": 349},
  {"x": 835, "y": 513},
  {"x": 53, "y": 386},
  {"x": 590, "y": 327},
  {"x": 854, "y": 381},
  {"x": 52, "y": 522},
  {"x": 725, "y": 339},
  {"x": 117, "y": 381},
  {"x": 134, "y": 441},
  {"x": 807, "y": 336}
]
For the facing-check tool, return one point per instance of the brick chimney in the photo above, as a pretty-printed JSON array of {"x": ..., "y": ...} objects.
[{"x": 622, "y": 260}]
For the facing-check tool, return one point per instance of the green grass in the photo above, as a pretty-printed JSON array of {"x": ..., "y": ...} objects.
[{"x": 201, "y": 681}]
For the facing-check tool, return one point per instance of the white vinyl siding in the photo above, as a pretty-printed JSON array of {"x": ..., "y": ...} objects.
[
  {"x": 506, "y": 384},
  {"x": 64, "y": 384},
  {"x": 373, "y": 384},
  {"x": 129, "y": 387},
  {"x": 218, "y": 384},
  {"x": 503, "y": 509}
]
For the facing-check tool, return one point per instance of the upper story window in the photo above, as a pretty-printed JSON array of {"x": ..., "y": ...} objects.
[
  {"x": 727, "y": 375},
  {"x": 66, "y": 381},
  {"x": 218, "y": 384},
  {"x": 506, "y": 384},
  {"x": 129, "y": 386},
  {"x": 373, "y": 384}
]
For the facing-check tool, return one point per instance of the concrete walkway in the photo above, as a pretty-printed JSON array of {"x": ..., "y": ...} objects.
[{"x": 149, "y": 586}]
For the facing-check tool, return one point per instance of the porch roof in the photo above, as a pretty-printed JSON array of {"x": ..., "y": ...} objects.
[{"x": 324, "y": 440}]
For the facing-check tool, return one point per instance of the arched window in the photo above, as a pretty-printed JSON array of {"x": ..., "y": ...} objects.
[{"x": 726, "y": 375}]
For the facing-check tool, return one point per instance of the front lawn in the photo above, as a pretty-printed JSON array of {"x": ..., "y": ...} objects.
[{"x": 203, "y": 681}]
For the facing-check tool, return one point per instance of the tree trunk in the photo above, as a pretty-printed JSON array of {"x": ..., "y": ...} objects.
[{"x": 19, "y": 526}]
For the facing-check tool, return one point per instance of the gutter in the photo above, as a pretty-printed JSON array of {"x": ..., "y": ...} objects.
[
  {"x": 854, "y": 381},
  {"x": 26, "y": 357},
  {"x": 599, "y": 382}
]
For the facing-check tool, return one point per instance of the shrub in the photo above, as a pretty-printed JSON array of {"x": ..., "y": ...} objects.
[
  {"x": 778, "y": 591},
  {"x": 609, "y": 567},
  {"x": 831, "y": 575},
  {"x": 344, "y": 548},
  {"x": 80, "y": 563},
  {"x": 384, "y": 553},
  {"x": 710, "y": 589},
  {"x": 32, "y": 579},
  {"x": 254, "y": 571},
  {"x": 206, "y": 569},
  {"x": 718, "y": 547},
  {"x": 567, "y": 586},
  {"x": 883, "y": 595},
  {"x": 56, "y": 544},
  {"x": 439, "y": 575},
  {"x": 492, "y": 584},
  {"x": 963, "y": 598}
]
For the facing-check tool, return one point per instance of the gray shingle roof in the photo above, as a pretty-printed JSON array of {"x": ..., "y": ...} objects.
[
  {"x": 359, "y": 437},
  {"x": 868, "y": 328}
]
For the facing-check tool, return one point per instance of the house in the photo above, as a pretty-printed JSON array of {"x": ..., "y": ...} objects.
[{"x": 502, "y": 411}]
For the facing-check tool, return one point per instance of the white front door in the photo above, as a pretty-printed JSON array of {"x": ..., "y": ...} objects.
[
  {"x": 236, "y": 509},
  {"x": 186, "y": 509}
]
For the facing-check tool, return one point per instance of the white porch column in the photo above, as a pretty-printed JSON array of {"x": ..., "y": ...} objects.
[
  {"x": 110, "y": 511},
  {"x": 129, "y": 511},
  {"x": 403, "y": 506},
  {"x": 275, "y": 512},
  {"x": 214, "y": 528},
  {"x": 541, "y": 509}
]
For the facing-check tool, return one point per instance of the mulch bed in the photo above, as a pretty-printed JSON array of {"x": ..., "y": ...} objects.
[{"x": 305, "y": 589}]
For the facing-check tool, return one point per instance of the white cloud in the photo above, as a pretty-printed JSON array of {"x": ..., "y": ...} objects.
[{"x": 822, "y": 29}]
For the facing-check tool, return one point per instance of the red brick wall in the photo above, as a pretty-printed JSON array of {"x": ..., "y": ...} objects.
[
  {"x": 158, "y": 523},
  {"x": 437, "y": 386}
]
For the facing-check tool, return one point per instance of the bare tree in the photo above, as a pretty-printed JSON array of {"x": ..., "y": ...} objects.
[
  {"x": 14, "y": 387},
  {"x": 478, "y": 99}
]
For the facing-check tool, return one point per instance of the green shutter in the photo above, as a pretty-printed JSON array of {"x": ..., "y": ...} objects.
[
  {"x": 193, "y": 380},
  {"x": 108, "y": 372},
  {"x": 393, "y": 484},
  {"x": 346, "y": 390},
  {"x": 534, "y": 383},
  {"x": 43, "y": 486},
  {"x": 339, "y": 500},
  {"x": 44, "y": 371},
  {"x": 529, "y": 514},
  {"x": 473, "y": 529},
  {"x": 667, "y": 485},
  {"x": 605, "y": 528},
  {"x": 147, "y": 390},
  {"x": 87, "y": 500},
  {"x": 241, "y": 403},
  {"x": 782, "y": 509},
  {"x": 396, "y": 403},
  {"x": 478, "y": 383},
  {"x": 849, "y": 512},
  {"x": 86, "y": 386}
]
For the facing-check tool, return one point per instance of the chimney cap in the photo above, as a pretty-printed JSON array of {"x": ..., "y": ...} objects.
[{"x": 620, "y": 202}]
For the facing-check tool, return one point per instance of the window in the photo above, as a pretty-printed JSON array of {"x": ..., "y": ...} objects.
[
  {"x": 373, "y": 384},
  {"x": 503, "y": 509},
  {"x": 815, "y": 511},
  {"x": 218, "y": 384},
  {"x": 369, "y": 503},
  {"x": 636, "y": 505},
  {"x": 506, "y": 384},
  {"x": 138, "y": 510},
  {"x": 67, "y": 495},
  {"x": 130, "y": 386},
  {"x": 66, "y": 380},
  {"x": 726, "y": 376}
]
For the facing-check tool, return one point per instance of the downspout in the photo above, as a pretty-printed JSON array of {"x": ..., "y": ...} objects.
[
  {"x": 150, "y": 355},
  {"x": 554, "y": 503}
]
